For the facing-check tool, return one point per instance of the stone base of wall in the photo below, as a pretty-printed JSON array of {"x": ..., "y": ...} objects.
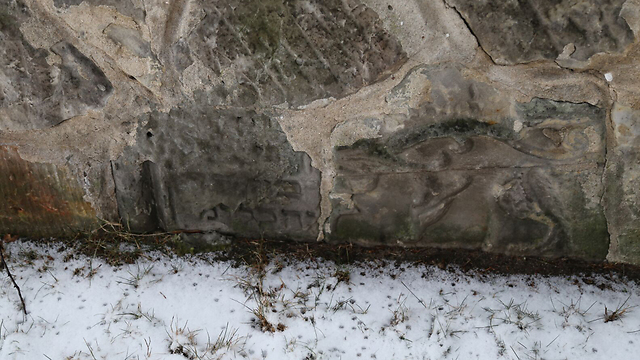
[{"x": 508, "y": 128}]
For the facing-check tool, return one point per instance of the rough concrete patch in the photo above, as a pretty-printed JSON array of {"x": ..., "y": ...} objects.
[
  {"x": 309, "y": 130},
  {"x": 429, "y": 31},
  {"x": 119, "y": 37},
  {"x": 347, "y": 133},
  {"x": 39, "y": 34},
  {"x": 129, "y": 38},
  {"x": 547, "y": 80}
]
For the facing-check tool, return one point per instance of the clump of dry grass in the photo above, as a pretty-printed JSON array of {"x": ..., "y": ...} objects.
[
  {"x": 618, "y": 313},
  {"x": 117, "y": 245},
  {"x": 258, "y": 261},
  {"x": 401, "y": 313},
  {"x": 260, "y": 313},
  {"x": 342, "y": 275},
  {"x": 227, "y": 340},
  {"x": 182, "y": 341}
]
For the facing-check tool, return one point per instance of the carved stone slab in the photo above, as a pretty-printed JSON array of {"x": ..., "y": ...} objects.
[
  {"x": 522, "y": 181},
  {"x": 231, "y": 171}
]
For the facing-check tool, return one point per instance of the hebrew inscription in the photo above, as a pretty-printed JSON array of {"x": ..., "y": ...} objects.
[{"x": 231, "y": 171}]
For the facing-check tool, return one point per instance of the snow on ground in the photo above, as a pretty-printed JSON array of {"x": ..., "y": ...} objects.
[{"x": 195, "y": 308}]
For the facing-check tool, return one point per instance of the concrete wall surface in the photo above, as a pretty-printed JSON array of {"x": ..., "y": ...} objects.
[{"x": 505, "y": 126}]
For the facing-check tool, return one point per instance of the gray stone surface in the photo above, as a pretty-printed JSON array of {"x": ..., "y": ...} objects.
[
  {"x": 82, "y": 85},
  {"x": 231, "y": 171},
  {"x": 527, "y": 30},
  {"x": 293, "y": 52},
  {"x": 130, "y": 8},
  {"x": 622, "y": 182},
  {"x": 35, "y": 95},
  {"x": 455, "y": 176}
]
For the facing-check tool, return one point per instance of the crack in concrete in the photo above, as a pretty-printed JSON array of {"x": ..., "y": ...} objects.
[
  {"x": 115, "y": 188},
  {"x": 603, "y": 180},
  {"x": 468, "y": 26},
  {"x": 609, "y": 126}
]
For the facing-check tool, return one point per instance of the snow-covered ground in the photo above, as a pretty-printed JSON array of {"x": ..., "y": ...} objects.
[{"x": 195, "y": 308}]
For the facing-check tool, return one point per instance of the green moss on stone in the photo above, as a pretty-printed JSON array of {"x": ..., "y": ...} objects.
[
  {"x": 457, "y": 128},
  {"x": 592, "y": 238},
  {"x": 398, "y": 228},
  {"x": 542, "y": 109},
  {"x": 349, "y": 228},
  {"x": 586, "y": 226},
  {"x": 187, "y": 246},
  {"x": 238, "y": 226},
  {"x": 455, "y": 236},
  {"x": 7, "y": 22},
  {"x": 404, "y": 228},
  {"x": 262, "y": 24}
]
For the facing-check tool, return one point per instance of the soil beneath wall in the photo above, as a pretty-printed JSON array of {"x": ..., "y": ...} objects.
[
  {"x": 466, "y": 260},
  {"x": 117, "y": 249}
]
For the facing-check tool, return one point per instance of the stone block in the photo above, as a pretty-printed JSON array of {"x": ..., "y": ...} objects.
[
  {"x": 521, "y": 178},
  {"x": 294, "y": 52},
  {"x": 523, "y": 211},
  {"x": 231, "y": 171},
  {"x": 622, "y": 182},
  {"x": 513, "y": 32}
]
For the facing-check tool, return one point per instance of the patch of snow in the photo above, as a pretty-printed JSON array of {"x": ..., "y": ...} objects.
[{"x": 195, "y": 308}]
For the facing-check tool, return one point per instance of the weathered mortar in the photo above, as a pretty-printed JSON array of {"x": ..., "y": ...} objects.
[{"x": 448, "y": 123}]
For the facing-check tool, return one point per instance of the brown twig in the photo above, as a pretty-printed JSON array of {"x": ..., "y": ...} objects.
[{"x": 6, "y": 266}]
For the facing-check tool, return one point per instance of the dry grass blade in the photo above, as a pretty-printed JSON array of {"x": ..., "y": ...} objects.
[
  {"x": 90, "y": 349},
  {"x": 414, "y": 295}
]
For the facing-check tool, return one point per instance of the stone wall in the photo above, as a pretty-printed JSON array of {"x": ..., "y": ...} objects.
[{"x": 506, "y": 126}]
